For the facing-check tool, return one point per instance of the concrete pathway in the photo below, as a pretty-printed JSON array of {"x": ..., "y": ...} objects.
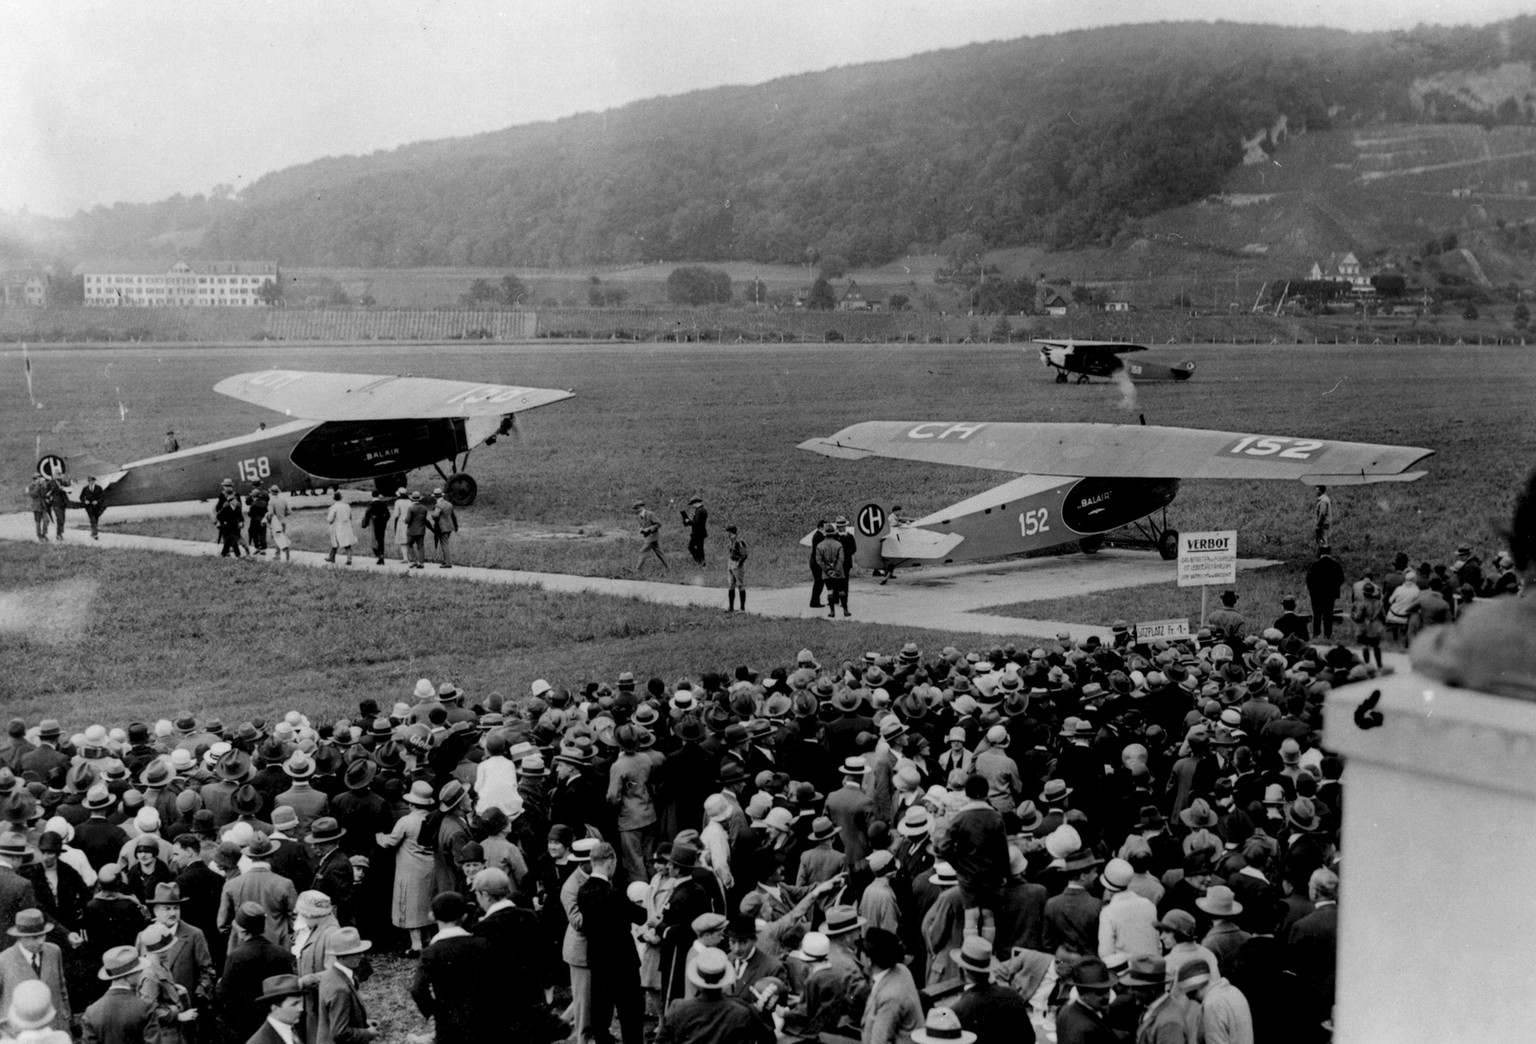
[{"x": 950, "y": 598}]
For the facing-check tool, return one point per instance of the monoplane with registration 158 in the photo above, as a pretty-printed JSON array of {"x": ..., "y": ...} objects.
[{"x": 346, "y": 428}]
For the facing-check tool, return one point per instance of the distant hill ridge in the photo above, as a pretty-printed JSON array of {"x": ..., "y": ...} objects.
[{"x": 1066, "y": 141}]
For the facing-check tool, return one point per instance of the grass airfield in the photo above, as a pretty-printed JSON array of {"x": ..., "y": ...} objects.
[{"x": 661, "y": 422}]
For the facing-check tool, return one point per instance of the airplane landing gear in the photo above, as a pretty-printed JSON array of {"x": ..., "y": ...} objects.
[
  {"x": 461, "y": 489},
  {"x": 1160, "y": 535},
  {"x": 1090, "y": 544},
  {"x": 1082, "y": 378},
  {"x": 1168, "y": 545},
  {"x": 1061, "y": 376},
  {"x": 387, "y": 485}
]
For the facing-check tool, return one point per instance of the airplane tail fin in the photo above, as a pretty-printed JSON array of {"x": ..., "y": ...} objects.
[{"x": 870, "y": 527}]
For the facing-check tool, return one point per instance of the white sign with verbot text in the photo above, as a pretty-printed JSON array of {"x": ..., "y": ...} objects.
[{"x": 1208, "y": 558}]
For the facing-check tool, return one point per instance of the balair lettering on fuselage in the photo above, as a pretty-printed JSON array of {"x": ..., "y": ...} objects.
[{"x": 1098, "y": 505}]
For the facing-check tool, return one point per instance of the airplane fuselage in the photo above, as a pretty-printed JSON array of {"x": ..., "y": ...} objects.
[
  {"x": 1031, "y": 513},
  {"x": 298, "y": 455},
  {"x": 1085, "y": 362}
]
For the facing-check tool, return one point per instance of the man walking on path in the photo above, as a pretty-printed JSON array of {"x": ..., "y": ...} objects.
[
  {"x": 377, "y": 519},
  {"x": 650, "y": 539},
  {"x": 229, "y": 518},
  {"x": 416, "y": 531},
  {"x": 445, "y": 523},
  {"x": 37, "y": 496},
  {"x": 339, "y": 517},
  {"x": 94, "y": 499}
]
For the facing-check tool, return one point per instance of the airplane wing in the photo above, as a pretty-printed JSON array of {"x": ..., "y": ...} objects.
[
  {"x": 366, "y": 396},
  {"x": 1092, "y": 347},
  {"x": 1124, "y": 451}
]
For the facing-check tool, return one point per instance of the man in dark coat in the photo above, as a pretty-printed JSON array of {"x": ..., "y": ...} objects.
[
  {"x": 1082, "y": 1021},
  {"x": 333, "y": 869},
  {"x": 1020, "y": 915},
  {"x": 46, "y": 756},
  {"x": 377, "y": 518},
  {"x": 343, "y": 1019},
  {"x": 1073, "y": 916},
  {"x": 280, "y": 1003},
  {"x": 696, "y": 518},
  {"x": 120, "y": 1016},
  {"x": 98, "y": 837},
  {"x": 290, "y": 855},
  {"x": 453, "y": 987},
  {"x": 200, "y": 887},
  {"x": 1312, "y": 943},
  {"x": 187, "y": 959},
  {"x": 516, "y": 967},
  {"x": 246, "y": 968},
  {"x": 817, "y": 536},
  {"x": 229, "y": 518},
  {"x": 996, "y": 1014},
  {"x": 690, "y": 898},
  {"x": 16, "y": 892},
  {"x": 606, "y": 917},
  {"x": 1324, "y": 578},
  {"x": 711, "y": 1017}
]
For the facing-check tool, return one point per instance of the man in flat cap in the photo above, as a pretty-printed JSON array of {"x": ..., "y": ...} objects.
[{"x": 650, "y": 536}]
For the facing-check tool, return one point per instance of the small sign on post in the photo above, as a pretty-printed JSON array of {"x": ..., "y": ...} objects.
[
  {"x": 1151, "y": 630},
  {"x": 1207, "y": 558}
]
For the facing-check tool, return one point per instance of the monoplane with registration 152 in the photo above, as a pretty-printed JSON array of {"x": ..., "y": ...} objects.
[{"x": 1078, "y": 482}]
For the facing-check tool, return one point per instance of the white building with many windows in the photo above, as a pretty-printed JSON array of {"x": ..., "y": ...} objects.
[{"x": 185, "y": 284}]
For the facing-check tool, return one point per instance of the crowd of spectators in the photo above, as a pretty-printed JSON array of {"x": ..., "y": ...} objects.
[{"x": 1099, "y": 841}]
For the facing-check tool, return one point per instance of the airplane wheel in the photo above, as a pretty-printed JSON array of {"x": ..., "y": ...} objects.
[
  {"x": 461, "y": 489},
  {"x": 1061, "y": 378},
  {"x": 1168, "y": 545},
  {"x": 1090, "y": 544}
]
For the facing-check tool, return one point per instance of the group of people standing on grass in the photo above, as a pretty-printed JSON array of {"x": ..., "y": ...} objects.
[
  {"x": 695, "y": 518},
  {"x": 1392, "y": 609},
  {"x": 409, "y": 518}
]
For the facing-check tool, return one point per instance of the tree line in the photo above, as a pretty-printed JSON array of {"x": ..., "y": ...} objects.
[{"x": 1064, "y": 141}]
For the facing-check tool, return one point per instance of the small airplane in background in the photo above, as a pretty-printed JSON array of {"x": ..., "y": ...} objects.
[
  {"x": 348, "y": 427},
  {"x": 1078, "y": 482},
  {"x": 1103, "y": 359}
]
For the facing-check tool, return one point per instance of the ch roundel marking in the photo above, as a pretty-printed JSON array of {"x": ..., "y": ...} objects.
[
  {"x": 52, "y": 465},
  {"x": 871, "y": 519}
]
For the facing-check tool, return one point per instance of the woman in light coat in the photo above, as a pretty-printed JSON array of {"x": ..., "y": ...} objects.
[
  {"x": 339, "y": 517},
  {"x": 397, "y": 522},
  {"x": 411, "y": 904}
]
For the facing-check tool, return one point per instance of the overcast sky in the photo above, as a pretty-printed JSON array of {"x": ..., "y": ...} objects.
[{"x": 135, "y": 100}]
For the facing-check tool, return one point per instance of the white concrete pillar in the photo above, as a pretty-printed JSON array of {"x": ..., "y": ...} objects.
[{"x": 1437, "y": 908}]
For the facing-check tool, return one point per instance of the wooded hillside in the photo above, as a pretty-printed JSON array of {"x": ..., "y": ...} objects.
[{"x": 1064, "y": 141}]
